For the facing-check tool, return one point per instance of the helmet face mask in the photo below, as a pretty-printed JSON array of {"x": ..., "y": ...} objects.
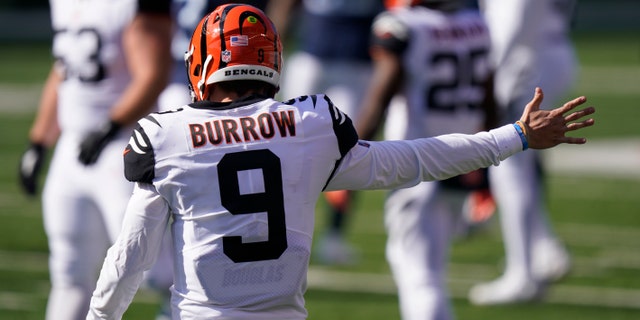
[{"x": 234, "y": 42}]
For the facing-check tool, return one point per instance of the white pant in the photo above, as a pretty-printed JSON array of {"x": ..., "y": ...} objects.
[
  {"x": 516, "y": 183},
  {"x": 83, "y": 212},
  {"x": 420, "y": 221}
]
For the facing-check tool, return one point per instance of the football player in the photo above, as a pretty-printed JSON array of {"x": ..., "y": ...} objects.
[
  {"x": 526, "y": 53},
  {"x": 432, "y": 77},
  {"x": 111, "y": 62},
  {"x": 239, "y": 173}
]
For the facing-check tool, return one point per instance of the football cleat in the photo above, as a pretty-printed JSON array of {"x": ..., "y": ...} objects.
[
  {"x": 333, "y": 250},
  {"x": 551, "y": 262},
  {"x": 502, "y": 291}
]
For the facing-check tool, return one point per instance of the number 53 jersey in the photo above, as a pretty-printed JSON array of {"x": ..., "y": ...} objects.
[
  {"x": 89, "y": 53},
  {"x": 241, "y": 181}
]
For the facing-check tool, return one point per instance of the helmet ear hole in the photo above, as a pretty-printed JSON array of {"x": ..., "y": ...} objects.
[{"x": 196, "y": 70}]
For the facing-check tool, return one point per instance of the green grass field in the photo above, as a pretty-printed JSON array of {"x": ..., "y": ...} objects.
[{"x": 597, "y": 215}]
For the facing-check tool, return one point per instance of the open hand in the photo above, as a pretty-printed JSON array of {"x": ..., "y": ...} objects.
[{"x": 547, "y": 128}]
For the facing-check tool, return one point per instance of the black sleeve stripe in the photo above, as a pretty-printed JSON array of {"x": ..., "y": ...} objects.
[
  {"x": 335, "y": 167},
  {"x": 155, "y": 6},
  {"x": 391, "y": 44},
  {"x": 388, "y": 40},
  {"x": 139, "y": 157},
  {"x": 294, "y": 100},
  {"x": 151, "y": 118},
  {"x": 343, "y": 128}
]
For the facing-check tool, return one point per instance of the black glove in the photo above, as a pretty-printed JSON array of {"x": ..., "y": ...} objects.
[
  {"x": 95, "y": 141},
  {"x": 30, "y": 165}
]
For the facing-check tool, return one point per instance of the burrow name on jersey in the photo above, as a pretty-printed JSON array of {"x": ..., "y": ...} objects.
[{"x": 244, "y": 129}]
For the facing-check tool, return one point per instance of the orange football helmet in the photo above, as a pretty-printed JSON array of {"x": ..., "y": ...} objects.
[
  {"x": 390, "y": 4},
  {"x": 444, "y": 5},
  {"x": 234, "y": 42}
]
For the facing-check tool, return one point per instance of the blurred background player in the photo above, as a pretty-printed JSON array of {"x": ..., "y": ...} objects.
[
  {"x": 187, "y": 14},
  {"x": 328, "y": 53},
  {"x": 531, "y": 47},
  {"x": 111, "y": 62},
  {"x": 431, "y": 57}
]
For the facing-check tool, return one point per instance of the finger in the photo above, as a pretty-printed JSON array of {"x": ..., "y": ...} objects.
[
  {"x": 572, "y": 104},
  {"x": 573, "y": 140},
  {"x": 580, "y": 114},
  {"x": 579, "y": 125},
  {"x": 534, "y": 104}
]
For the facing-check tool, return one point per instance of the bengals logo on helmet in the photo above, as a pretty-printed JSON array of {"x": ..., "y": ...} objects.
[{"x": 234, "y": 42}]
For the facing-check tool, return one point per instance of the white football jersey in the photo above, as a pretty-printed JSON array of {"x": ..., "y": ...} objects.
[
  {"x": 240, "y": 181},
  {"x": 446, "y": 67},
  {"x": 225, "y": 173},
  {"x": 87, "y": 46}
]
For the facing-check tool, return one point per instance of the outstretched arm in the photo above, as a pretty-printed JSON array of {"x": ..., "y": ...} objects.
[{"x": 404, "y": 163}]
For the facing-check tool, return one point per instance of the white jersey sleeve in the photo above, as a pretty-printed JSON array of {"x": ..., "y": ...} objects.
[
  {"x": 405, "y": 163},
  {"x": 135, "y": 251}
]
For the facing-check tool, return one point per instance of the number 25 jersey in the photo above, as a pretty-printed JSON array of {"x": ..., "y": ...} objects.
[{"x": 446, "y": 68}]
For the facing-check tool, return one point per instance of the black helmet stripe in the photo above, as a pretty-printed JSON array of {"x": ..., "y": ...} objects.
[
  {"x": 203, "y": 44},
  {"x": 223, "y": 45},
  {"x": 275, "y": 49}
]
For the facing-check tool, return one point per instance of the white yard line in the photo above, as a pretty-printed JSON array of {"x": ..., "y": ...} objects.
[
  {"x": 16, "y": 301},
  {"x": 320, "y": 278},
  {"x": 19, "y": 98},
  {"x": 612, "y": 80},
  {"x": 618, "y": 158},
  {"x": 461, "y": 278},
  {"x": 609, "y": 80}
]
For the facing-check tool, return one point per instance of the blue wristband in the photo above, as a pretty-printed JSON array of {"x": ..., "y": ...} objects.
[{"x": 523, "y": 138}]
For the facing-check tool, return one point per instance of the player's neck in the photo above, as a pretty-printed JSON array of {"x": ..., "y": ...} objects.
[{"x": 220, "y": 95}]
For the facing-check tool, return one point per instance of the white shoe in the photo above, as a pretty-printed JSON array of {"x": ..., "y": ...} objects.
[
  {"x": 502, "y": 291},
  {"x": 334, "y": 250},
  {"x": 551, "y": 262}
]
